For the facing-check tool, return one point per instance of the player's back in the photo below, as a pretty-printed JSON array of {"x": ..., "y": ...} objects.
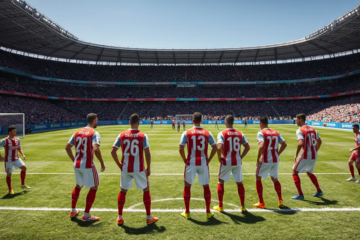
[
  {"x": 197, "y": 140},
  {"x": 83, "y": 141},
  {"x": 271, "y": 139},
  {"x": 309, "y": 135},
  {"x": 232, "y": 140},
  {"x": 132, "y": 144}
]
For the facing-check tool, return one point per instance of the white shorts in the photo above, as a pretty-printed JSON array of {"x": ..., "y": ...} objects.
[
  {"x": 87, "y": 176},
  {"x": 16, "y": 164},
  {"x": 235, "y": 171},
  {"x": 303, "y": 165},
  {"x": 201, "y": 171},
  {"x": 140, "y": 178},
  {"x": 266, "y": 169}
]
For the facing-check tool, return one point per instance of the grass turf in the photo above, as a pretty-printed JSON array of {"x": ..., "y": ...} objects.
[{"x": 46, "y": 154}]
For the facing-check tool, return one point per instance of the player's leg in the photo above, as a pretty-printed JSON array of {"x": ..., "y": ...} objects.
[
  {"x": 238, "y": 178},
  {"x": 298, "y": 167},
  {"x": 121, "y": 203},
  {"x": 351, "y": 167},
  {"x": 204, "y": 179},
  {"x": 92, "y": 181},
  {"x": 261, "y": 172},
  {"x": 74, "y": 199},
  {"x": 23, "y": 176},
  {"x": 309, "y": 170},
  {"x": 277, "y": 187},
  {"x": 8, "y": 180},
  {"x": 189, "y": 176},
  {"x": 223, "y": 174}
]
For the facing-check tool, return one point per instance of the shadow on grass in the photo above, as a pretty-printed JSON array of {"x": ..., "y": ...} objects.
[
  {"x": 10, "y": 196},
  {"x": 285, "y": 211},
  {"x": 153, "y": 228},
  {"x": 325, "y": 202},
  {"x": 210, "y": 222},
  {"x": 246, "y": 217},
  {"x": 85, "y": 224}
]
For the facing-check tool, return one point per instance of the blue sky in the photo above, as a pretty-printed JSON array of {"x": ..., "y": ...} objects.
[{"x": 192, "y": 24}]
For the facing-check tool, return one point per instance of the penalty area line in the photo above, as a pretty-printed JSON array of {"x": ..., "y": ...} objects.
[{"x": 346, "y": 209}]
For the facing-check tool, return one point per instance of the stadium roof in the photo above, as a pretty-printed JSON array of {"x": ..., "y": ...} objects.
[{"x": 23, "y": 28}]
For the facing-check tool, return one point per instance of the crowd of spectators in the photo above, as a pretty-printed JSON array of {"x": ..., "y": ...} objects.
[
  {"x": 299, "y": 70},
  {"x": 257, "y": 91}
]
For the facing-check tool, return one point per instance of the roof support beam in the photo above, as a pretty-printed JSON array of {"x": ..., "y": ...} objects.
[
  {"x": 173, "y": 53},
  {"x": 203, "y": 59},
  {"x": 237, "y": 57},
  {"x": 56, "y": 50},
  {"x": 334, "y": 44},
  {"x": 189, "y": 57},
  {"x": 98, "y": 58},
  {"x": 256, "y": 55},
  {"x": 138, "y": 57},
  {"x": 296, "y": 48},
  {"x": 79, "y": 52},
  {"x": 119, "y": 56},
  {"x": 275, "y": 53},
  {"x": 221, "y": 56},
  {"x": 157, "y": 58},
  {"x": 320, "y": 47}
]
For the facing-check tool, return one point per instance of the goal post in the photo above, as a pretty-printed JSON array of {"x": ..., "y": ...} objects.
[{"x": 15, "y": 119}]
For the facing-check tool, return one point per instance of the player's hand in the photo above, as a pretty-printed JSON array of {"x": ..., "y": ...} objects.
[
  {"x": 102, "y": 167},
  {"x": 24, "y": 158},
  {"x": 351, "y": 150},
  {"x": 148, "y": 172},
  {"x": 258, "y": 163},
  {"x": 2, "y": 159},
  {"x": 222, "y": 160},
  {"x": 295, "y": 158}
]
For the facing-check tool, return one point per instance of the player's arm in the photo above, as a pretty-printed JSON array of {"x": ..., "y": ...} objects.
[
  {"x": 2, "y": 144},
  {"x": 1, "y": 158},
  {"x": 213, "y": 145},
  {"x": 148, "y": 160},
  {"x": 246, "y": 150},
  {"x": 219, "y": 151},
  {"x": 260, "y": 151},
  {"x": 22, "y": 153},
  {"x": 69, "y": 151},
  {"x": 283, "y": 145},
  {"x": 354, "y": 149},
  {"x": 318, "y": 141},
  {"x": 300, "y": 138},
  {"x": 97, "y": 152},
  {"x": 182, "y": 144},
  {"x": 114, "y": 150}
]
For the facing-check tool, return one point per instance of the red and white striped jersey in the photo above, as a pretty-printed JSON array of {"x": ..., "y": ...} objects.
[
  {"x": 173, "y": 122},
  {"x": 11, "y": 146},
  {"x": 83, "y": 141},
  {"x": 271, "y": 139},
  {"x": 132, "y": 143},
  {"x": 357, "y": 141},
  {"x": 197, "y": 140},
  {"x": 232, "y": 140},
  {"x": 309, "y": 135}
]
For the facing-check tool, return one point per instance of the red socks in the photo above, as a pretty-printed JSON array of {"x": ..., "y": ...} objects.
[
  {"x": 259, "y": 189},
  {"x": 351, "y": 170},
  {"x": 22, "y": 175},
  {"x": 298, "y": 184},
  {"x": 121, "y": 202},
  {"x": 314, "y": 181},
  {"x": 207, "y": 196},
  {"x": 90, "y": 200},
  {"x": 241, "y": 191},
  {"x": 147, "y": 202},
  {"x": 75, "y": 197},
  {"x": 277, "y": 187},
  {"x": 8, "y": 181},
  {"x": 220, "y": 191},
  {"x": 187, "y": 195}
]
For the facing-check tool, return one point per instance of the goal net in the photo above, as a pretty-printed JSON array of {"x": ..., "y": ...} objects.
[
  {"x": 15, "y": 119},
  {"x": 185, "y": 117}
]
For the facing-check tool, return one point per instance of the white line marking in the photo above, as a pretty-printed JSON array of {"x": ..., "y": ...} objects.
[
  {"x": 167, "y": 174},
  {"x": 346, "y": 209},
  {"x": 182, "y": 199}
]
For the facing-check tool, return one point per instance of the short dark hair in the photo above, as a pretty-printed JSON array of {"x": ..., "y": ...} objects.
[
  {"x": 356, "y": 125},
  {"x": 90, "y": 118},
  {"x": 134, "y": 118},
  {"x": 264, "y": 120},
  {"x": 11, "y": 127},
  {"x": 301, "y": 116},
  {"x": 229, "y": 119},
  {"x": 197, "y": 117}
]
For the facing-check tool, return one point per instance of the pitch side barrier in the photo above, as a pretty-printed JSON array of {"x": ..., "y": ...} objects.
[
  {"x": 338, "y": 125},
  {"x": 68, "y": 125},
  {"x": 24, "y": 74}
]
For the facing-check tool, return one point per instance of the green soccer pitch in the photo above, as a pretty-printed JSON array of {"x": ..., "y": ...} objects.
[{"x": 50, "y": 175}]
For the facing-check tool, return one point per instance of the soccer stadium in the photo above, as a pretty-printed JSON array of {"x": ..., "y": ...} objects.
[{"x": 222, "y": 114}]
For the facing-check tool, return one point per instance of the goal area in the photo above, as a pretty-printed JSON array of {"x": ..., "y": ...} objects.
[
  {"x": 183, "y": 117},
  {"x": 15, "y": 119}
]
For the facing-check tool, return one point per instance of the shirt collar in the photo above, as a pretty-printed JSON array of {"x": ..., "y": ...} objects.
[
  {"x": 133, "y": 129},
  {"x": 197, "y": 127}
]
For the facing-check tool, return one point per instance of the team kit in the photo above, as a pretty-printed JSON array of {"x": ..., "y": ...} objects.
[{"x": 135, "y": 148}]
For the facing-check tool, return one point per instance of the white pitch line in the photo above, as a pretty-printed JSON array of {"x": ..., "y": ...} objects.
[
  {"x": 166, "y": 174},
  {"x": 346, "y": 209}
]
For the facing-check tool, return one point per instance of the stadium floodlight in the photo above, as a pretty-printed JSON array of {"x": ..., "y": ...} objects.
[{"x": 16, "y": 119}]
